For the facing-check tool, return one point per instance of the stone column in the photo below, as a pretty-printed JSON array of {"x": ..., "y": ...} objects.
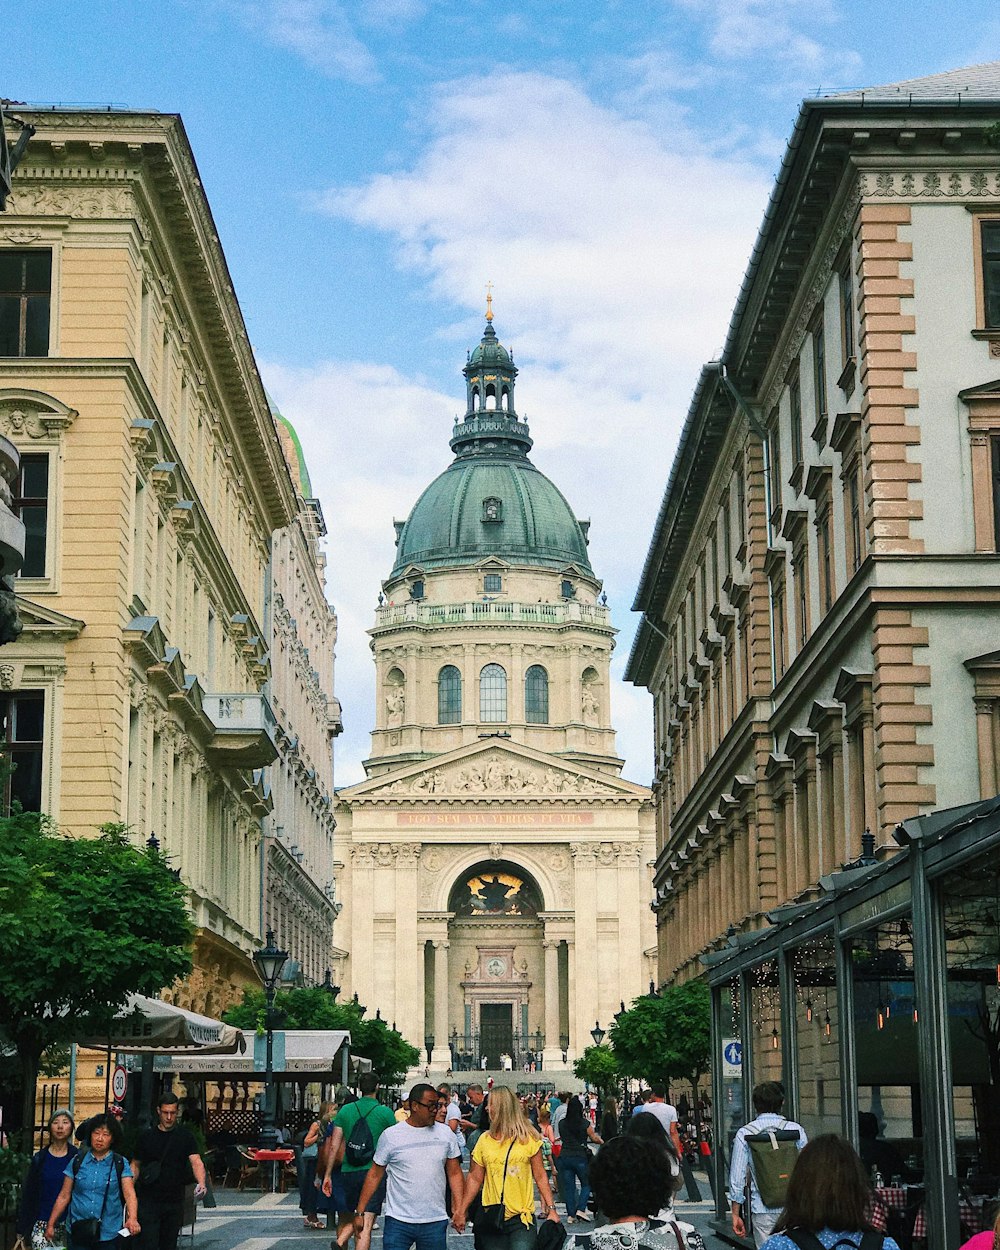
[
  {"x": 441, "y": 1055},
  {"x": 583, "y": 980},
  {"x": 552, "y": 1054},
  {"x": 408, "y": 1008}
]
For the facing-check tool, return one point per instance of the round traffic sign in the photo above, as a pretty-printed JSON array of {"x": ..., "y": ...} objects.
[{"x": 119, "y": 1083}]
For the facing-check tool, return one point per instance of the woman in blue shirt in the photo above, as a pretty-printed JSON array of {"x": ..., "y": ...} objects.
[
  {"x": 45, "y": 1176},
  {"x": 827, "y": 1203},
  {"x": 98, "y": 1185}
]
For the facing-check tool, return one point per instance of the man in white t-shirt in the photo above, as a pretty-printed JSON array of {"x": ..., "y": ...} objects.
[
  {"x": 665, "y": 1113},
  {"x": 417, "y": 1157}
]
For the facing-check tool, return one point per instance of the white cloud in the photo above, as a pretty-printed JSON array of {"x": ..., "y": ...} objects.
[
  {"x": 320, "y": 32},
  {"x": 616, "y": 254}
]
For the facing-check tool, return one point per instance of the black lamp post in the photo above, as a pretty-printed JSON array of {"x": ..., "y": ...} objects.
[
  {"x": 429, "y": 1046},
  {"x": 270, "y": 961},
  {"x": 328, "y": 985},
  {"x": 597, "y": 1033}
]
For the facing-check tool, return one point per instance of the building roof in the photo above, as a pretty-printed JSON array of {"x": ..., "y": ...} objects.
[
  {"x": 973, "y": 82},
  {"x": 491, "y": 501}
]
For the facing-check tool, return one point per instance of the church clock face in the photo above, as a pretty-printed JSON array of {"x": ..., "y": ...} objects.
[{"x": 496, "y": 966}]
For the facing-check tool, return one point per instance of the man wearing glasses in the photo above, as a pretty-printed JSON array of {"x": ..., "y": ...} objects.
[{"x": 417, "y": 1157}]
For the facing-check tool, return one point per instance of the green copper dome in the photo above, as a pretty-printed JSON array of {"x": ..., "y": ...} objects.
[{"x": 491, "y": 501}]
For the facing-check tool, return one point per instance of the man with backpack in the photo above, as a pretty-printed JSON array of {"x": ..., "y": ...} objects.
[
  {"x": 764, "y": 1153},
  {"x": 356, "y": 1131}
]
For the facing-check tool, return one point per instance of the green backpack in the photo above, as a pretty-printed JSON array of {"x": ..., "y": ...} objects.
[{"x": 773, "y": 1152}]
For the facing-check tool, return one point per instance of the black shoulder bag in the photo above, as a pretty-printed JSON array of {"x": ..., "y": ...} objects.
[{"x": 490, "y": 1219}]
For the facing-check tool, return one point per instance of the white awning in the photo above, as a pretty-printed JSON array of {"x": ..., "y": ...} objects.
[
  {"x": 151, "y": 1026},
  {"x": 298, "y": 1052}
]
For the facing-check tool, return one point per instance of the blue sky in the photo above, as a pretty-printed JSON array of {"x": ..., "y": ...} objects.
[{"x": 372, "y": 163}]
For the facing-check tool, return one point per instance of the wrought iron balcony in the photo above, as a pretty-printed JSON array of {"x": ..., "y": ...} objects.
[
  {"x": 565, "y": 612},
  {"x": 245, "y": 730}
]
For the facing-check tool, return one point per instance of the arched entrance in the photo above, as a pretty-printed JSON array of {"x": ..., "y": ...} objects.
[{"x": 496, "y": 995}]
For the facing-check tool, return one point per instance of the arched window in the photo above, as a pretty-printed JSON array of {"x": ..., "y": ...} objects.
[
  {"x": 536, "y": 695},
  {"x": 491, "y": 397},
  {"x": 493, "y": 694},
  {"x": 449, "y": 696}
]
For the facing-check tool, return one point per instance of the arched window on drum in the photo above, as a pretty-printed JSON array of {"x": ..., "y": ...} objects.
[
  {"x": 449, "y": 696},
  {"x": 536, "y": 695},
  {"x": 493, "y": 694}
]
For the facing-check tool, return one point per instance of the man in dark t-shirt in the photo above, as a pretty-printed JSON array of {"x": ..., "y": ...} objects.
[{"x": 164, "y": 1158}]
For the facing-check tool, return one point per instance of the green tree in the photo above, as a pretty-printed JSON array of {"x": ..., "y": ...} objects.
[
  {"x": 391, "y": 1055},
  {"x": 666, "y": 1037},
  {"x": 86, "y": 923},
  {"x": 598, "y": 1066}
]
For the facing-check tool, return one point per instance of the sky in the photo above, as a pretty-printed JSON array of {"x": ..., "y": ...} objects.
[{"x": 372, "y": 164}]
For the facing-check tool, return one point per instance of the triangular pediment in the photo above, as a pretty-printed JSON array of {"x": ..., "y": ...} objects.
[
  {"x": 985, "y": 390},
  {"x": 494, "y": 769},
  {"x": 39, "y": 620}
]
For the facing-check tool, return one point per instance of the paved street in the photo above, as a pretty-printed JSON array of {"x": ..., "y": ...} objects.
[{"x": 253, "y": 1221}]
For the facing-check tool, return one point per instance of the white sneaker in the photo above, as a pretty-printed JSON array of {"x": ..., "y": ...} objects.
[{"x": 585, "y": 1215}]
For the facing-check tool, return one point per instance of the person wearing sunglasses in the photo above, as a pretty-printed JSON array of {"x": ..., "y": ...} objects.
[{"x": 417, "y": 1158}]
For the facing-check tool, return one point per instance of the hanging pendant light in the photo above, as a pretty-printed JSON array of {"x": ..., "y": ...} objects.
[
  {"x": 774, "y": 1038},
  {"x": 809, "y": 1010},
  {"x": 826, "y": 1024}
]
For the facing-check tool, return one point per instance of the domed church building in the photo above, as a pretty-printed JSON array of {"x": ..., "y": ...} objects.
[{"x": 498, "y": 870}]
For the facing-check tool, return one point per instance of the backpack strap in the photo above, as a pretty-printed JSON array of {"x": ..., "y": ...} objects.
[{"x": 804, "y": 1239}]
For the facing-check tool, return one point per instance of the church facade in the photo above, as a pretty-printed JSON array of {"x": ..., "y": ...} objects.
[{"x": 497, "y": 868}]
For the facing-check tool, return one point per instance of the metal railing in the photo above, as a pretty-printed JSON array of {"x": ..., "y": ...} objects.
[{"x": 565, "y": 613}]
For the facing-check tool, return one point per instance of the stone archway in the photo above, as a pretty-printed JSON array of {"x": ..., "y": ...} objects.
[{"x": 496, "y": 968}]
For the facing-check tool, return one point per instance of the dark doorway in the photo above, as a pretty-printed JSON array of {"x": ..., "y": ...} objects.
[{"x": 496, "y": 1024}]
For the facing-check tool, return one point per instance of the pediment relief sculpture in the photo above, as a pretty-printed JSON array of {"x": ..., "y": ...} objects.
[{"x": 497, "y": 775}]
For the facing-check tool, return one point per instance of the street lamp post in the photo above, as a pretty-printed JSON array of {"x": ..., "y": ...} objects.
[
  {"x": 597, "y": 1033},
  {"x": 270, "y": 961}
]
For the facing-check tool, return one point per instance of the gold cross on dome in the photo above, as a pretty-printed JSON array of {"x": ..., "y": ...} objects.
[{"x": 489, "y": 301}]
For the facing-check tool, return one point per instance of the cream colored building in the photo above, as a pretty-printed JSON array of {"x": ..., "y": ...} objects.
[
  {"x": 300, "y": 892},
  {"x": 821, "y": 594},
  {"x": 152, "y": 480},
  {"x": 497, "y": 867}
]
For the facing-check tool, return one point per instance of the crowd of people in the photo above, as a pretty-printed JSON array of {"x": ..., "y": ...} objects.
[{"x": 362, "y": 1161}]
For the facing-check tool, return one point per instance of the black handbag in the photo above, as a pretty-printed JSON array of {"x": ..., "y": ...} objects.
[{"x": 490, "y": 1219}]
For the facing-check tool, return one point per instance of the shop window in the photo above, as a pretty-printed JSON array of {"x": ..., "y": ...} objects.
[
  {"x": 30, "y": 502},
  {"x": 817, "y": 1018},
  {"x": 492, "y": 583},
  {"x": 449, "y": 696},
  {"x": 23, "y": 715},
  {"x": 765, "y": 1023},
  {"x": 536, "y": 695},
  {"x": 493, "y": 694},
  {"x": 25, "y": 297}
]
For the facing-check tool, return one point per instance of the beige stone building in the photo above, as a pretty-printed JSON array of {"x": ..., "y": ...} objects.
[
  {"x": 152, "y": 478},
  {"x": 820, "y": 598},
  {"x": 299, "y": 891},
  {"x": 497, "y": 867}
]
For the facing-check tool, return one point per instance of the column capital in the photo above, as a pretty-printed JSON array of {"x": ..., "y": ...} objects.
[{"x": 441, "y": 944}]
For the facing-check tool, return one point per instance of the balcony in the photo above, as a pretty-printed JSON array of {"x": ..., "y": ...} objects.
[
  {"x": 565, "y": 612},
  {"x": 245, "y": 730}
]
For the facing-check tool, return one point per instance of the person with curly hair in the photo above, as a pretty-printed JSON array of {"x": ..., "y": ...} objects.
[
  {"x": 649, "y": 1129},
  {"x": 632, "y": 1185},
  {"x": 828, "y": 1201}
]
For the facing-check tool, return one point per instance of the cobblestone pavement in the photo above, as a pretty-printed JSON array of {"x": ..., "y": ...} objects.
[{"x": 255, "y": 1221}]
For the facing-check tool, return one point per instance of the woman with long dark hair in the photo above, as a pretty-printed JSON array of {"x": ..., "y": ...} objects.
[
  {"x": 649, "y": 1129},
  {"x": 573, "y": 1164},
  {"x": 828, "y": 1201},
  {"x": 45, "y": 1177}
]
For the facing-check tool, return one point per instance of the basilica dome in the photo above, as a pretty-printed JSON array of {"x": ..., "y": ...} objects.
[{"x": 491, "y": 501}]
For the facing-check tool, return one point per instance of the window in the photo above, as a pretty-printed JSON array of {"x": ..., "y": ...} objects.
[
  {"x": 417, "y": 589},
  {"x": 30, "y": 502},
  {"x": 989, "y": 239},
  {"x": 800, "y": 570},
  {"x": 449, "y": 696},
  {"x": 848, "y": 342},
  {"x": 795, "y": 405},
  {"x": 492, "y": 583},
  {"x": 819, "y": 369},
  {"x": 995, "y": 466},
  {"x": 493, "y": 694},
  {"x": 855, "y": 547},
  {"x": 568, "y": 590},
  {"x": 741, "y": 507},
  {"x": 536, "y": 695},
  {"x": 778, "y": 615},
  {"x": 25, "y": 295},
  {"x": 23, "y": 714}
]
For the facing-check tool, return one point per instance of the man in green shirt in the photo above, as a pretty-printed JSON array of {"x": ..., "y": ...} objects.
[{"x": 353, "y": 1174}]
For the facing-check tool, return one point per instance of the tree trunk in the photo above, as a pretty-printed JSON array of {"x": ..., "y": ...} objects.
[{"x": 29, "y": 1079}]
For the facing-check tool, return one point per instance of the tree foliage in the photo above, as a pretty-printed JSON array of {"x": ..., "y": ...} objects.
[
  {"x": 666, "y": 1037},
  {"x": 599, "y": 1067},
  {"x": 86, "y": 923},
  {"x": 391, "y": 1055}
]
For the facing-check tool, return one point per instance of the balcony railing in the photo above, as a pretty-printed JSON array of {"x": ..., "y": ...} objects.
[
  {"x": 567, "y": 612},
  {"x": 245, "y": 730}
]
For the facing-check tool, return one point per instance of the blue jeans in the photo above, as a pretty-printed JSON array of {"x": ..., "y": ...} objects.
[
  {"x": 516, "y": 1236},
  {"x": 573, "y": 1168},
  {"x": 401, "y": 1235}
]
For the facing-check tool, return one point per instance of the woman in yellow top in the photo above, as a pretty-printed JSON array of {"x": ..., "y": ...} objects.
[{"x": 508, "y": 1160}]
